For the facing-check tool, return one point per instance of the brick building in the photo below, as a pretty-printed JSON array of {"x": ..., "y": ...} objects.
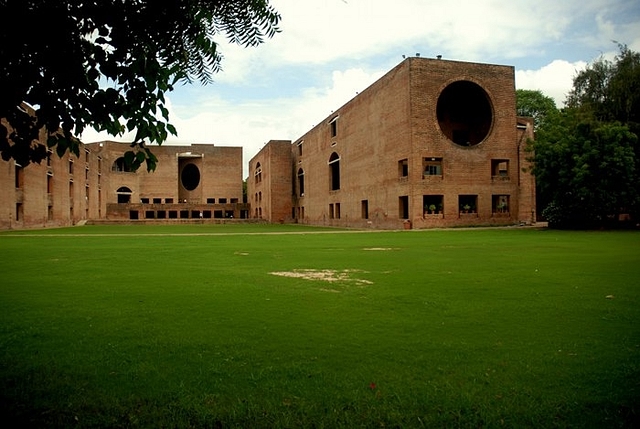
[
  {"x": 190, "y": 182},
  {"x": 433, "y": 143}
]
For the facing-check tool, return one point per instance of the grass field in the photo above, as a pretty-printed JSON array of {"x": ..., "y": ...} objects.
[{"x": 287, "y": 326}]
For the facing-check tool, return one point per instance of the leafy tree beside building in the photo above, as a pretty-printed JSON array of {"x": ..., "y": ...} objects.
[{"x": 587, "y": 155}]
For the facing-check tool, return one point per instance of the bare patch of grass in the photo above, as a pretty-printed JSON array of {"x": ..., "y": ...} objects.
[{"x": 343, "y": 276}]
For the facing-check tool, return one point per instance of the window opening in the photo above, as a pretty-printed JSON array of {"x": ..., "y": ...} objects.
[
  {"x": 433, "y": 204},
  {"x": 124, "y": 195},
  {"x": 331, "y": 213},
  {"x": 432, "y": 166},
  {"x": 464, "y": 113},
  {"x": 301, "y": 182},
  {"x": 403, "y": 168},
  {"x": 500, "y": 204},
  {"x": 19, "y": 176},
  {"x": 157, "y": 201},
  {"x": 190, "y": 177},
  {"x": 468, "y": 203},
  {"x": 120, "y": 165},
  {"x": 258, "y": 173},
  {"x": 403, "y": 207},
  {"x": 337, "y": 210},
  {"x": 364, "y": 209},
  {"x": 334, "y": 171},
  {"x": 334, "y": 126},
  {"x": 300, "y": 148},
  {"x": 499, "y": 168}
]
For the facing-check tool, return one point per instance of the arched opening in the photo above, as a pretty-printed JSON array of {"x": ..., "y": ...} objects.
[
  {"x": 301, "y": 182},
  {"x": 464, "y": 113},
  {"x": 334, "y": 171},
  {"x": 124, "y": 195},
  {"x": 120, "y": 165}
]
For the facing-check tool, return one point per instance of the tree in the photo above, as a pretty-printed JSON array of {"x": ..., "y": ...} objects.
[
  {"x": 587, "y": 156},
  {"x": 535, "y": 104},
  {"x": 108, "y": 64},
  {"x": 585, "y": 170}
]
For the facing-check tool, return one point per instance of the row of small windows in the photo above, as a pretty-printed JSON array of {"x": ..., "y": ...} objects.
[
  {"x": 433, "y": 205},
  {"x": 432, "y": 166}
]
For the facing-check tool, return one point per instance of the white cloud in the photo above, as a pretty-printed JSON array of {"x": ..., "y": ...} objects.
[{"x": 554, "y": 80}]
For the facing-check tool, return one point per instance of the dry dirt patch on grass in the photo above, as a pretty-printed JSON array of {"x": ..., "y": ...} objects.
[{"x": 342, "y": 276}]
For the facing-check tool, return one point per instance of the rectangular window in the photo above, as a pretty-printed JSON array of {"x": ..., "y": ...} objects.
[
  {"x": 222, "y": 201},
  {"x": 500, "y": 204},
  {"x": 168, "y": 200},
  {"x": 334, "y": 126},
  {"x": 211, "y": 200},
  {"x": 70, "y": 166},
  {"x": 330, "y": 211},
  {"x": 19, "y": 178},
  {"x": 364, "y": 209},
  {"x": 499, "y": 169},
  {"x": 468, "y": 203},
  {"x": 432, "y": 166},
  {"x": 144, "y": 200},
  {"x": 403, "y": 168},
  {"x": 157, "y": 201},
  {"x": 337, "y": 210},
  {"x": 300, "y": 148},
  {"x": 433, "y": 204},
  {"x": 233, "y": 201}
]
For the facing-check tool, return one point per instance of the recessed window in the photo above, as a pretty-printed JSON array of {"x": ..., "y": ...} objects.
[
  {"x": 500, "y": 169},
  {"x": 468, "y": 203},
  {"x": 433, "y": 204},
  {"x": 403, "y": 207},
  {"x": 144, "y": 200},
  {"x": 124, "y": 195},
  {"x": 334, "y": 171},
  {"x": 403, "y": 168},
  {"x": 222, "y": 200},
  {"x": 500, "y": 204},
  {"x": 258, "y": 173},
  {"x": 300, "y": 148},
  {"x": 364, "y": 209},
  {"x": 431, "y": 166},
  {"x": 301, "y": 182},
  {"x": 333, "y": 126},
  {"x": 157, "y": 201},
  {"x": 120, "y": 165}
]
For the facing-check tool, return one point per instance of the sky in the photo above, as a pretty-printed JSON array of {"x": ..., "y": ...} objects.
[{"x": 329, "y": 50}]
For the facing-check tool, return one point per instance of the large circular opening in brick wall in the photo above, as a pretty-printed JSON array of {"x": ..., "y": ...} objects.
[
  {"x": 190, "y": 177},
  {"x": 464, "y": 113}
]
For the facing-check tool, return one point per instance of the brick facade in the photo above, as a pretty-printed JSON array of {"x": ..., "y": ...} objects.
[
  {"x": 433, "y": 143},
  {"x": 190, "y": 182}
]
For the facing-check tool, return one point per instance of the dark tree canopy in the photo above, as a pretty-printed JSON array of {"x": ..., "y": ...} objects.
[
  {"x": 107, "y": 64},
  {"x": 587, "y": 156},
  {"x": 535, "y": 104}
]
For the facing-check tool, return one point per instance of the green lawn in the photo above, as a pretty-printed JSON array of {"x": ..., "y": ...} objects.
[{"x": 217, "y": 326}]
